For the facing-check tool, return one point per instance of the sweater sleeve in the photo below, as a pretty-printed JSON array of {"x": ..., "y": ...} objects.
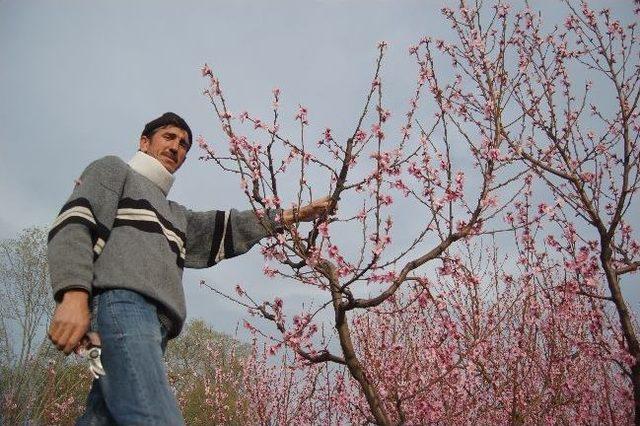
[
  {"x": 216, "y": 235},
  {"x": 81, "y": 229}
]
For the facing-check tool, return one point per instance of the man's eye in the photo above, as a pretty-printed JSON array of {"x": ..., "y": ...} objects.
[{"x": 184, "y": 144}]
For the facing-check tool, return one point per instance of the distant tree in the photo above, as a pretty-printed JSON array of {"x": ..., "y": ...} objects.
[
  {"x": 53, "y": 389},
  {"x": 206, "y": 370},
  {"x": 25, "y": 304},
  {"x": 25, "y": 294}
]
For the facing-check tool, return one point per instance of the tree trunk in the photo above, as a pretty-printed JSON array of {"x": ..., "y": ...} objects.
[
  {"x": 625, "y": 323},
  {"x": 346, "y": 344}
]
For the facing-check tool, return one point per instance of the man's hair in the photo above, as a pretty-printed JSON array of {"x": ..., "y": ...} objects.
[{"x": 167, "y": 119}]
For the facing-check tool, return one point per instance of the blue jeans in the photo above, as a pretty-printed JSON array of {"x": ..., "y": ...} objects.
[{"x": 135, "y": 389}]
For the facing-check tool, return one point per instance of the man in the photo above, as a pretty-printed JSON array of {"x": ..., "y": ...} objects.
[{"x": 120, "y": 246}]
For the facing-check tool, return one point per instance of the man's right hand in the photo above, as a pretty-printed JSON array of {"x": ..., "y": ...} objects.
[{"x": 70, "y": 320}]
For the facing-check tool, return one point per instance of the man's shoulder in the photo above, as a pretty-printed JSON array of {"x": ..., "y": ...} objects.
[
  {"x": 110, "y": 161},
  {"x": 110, "y": 171},
  {"x": 109, "y": 165}
]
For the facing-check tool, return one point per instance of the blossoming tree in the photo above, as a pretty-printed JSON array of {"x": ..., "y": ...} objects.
[{"x": 496, "y": 151}]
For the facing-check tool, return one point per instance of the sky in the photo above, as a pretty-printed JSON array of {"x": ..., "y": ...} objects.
[{"x": 78, "y": 80}]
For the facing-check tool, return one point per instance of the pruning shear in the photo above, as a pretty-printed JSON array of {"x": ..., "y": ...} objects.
[{"x": 90, "y": 348}]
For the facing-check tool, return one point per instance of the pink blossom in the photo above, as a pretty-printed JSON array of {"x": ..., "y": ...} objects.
[
  {"x": 503, "y": 10},
  {"x": 571, "y": 22},
  {"x": 323, "y": 229},
  {"x": 202, "y": 142},
  {"x": 399, "y": 184},
  {"x": 587, "y": 176},
  {"x": 360, "y": 135},
  {"x": 385, "y": 277},
  {"x": 313, "y": 258},
  {"x": 345, "y": 270},
  {"x": 494, "y": 153},
  {"x": 302, "y": 115},
  {"x": 268, "y": 271},
  {"x": 489, "y": 201},
  {"x": 385, "y": 199},
  {"x": 376, "y": 130},
  {"x": 488, "y": 109},
  {"x": 384, "y": 114},
  {"x": 239, "y": 290},
  {"x": 327, "y": 135},
  {"x": 545, "y": 209},
  {"x": 447, "y": 11},
  {"x": 206, "y": 71}
]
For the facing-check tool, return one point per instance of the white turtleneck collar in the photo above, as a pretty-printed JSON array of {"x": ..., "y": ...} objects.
[{"x": 153, "y": 170}]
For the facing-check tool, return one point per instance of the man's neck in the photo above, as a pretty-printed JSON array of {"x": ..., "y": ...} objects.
[{"x": 153, "y": 170}]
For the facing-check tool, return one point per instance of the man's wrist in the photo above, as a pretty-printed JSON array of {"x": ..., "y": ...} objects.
[
  {"x": 287, "y": 217},
  {"x": 75, "y": 294}
]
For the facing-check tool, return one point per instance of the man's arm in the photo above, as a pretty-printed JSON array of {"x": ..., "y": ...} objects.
[
  {"x": 216, "y": 235},
  {"x": 76, "y": 238}
]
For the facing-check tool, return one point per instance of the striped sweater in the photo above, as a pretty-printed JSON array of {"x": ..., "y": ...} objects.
[{"x": 118, "y": 230}]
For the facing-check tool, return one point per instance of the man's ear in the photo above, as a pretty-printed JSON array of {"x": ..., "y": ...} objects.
[{"x": 144, "y": 144}]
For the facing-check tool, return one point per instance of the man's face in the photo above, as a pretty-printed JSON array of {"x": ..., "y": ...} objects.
[{"x": 169, "y": 145}]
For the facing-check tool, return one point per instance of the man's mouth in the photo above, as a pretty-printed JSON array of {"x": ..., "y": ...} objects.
[{"x": 173, "y": 160}]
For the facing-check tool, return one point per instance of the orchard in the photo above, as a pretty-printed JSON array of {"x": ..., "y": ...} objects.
[{"x": 514, "y": 169}]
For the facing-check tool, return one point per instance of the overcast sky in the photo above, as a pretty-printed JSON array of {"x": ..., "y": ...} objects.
[{"x": 78, "y": 80}]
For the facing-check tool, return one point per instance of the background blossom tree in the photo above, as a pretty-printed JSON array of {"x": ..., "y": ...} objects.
[{"x": 503, "y": 117}]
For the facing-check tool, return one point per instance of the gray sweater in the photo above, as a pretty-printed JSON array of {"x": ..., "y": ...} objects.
[{"x": 118, "y": 230}]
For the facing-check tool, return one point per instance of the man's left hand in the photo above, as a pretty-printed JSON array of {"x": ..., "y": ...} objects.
[{"x": 307, "y": 213}]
